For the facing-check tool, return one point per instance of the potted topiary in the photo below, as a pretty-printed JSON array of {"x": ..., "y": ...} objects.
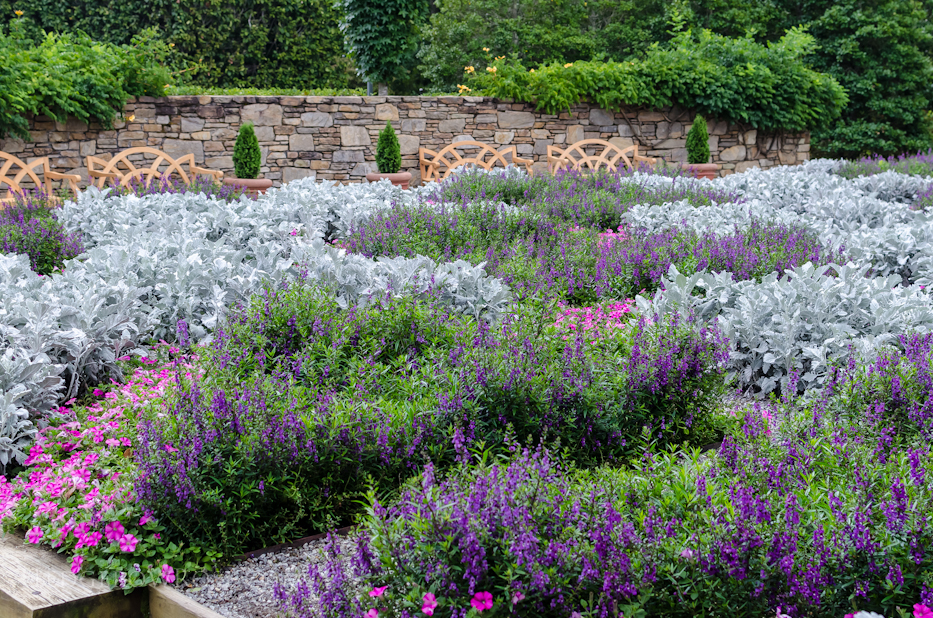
[
  {"x": 698, "y": 151},
  {"x": 389, "y": 159},
  {"x": 246, "y": 161}
]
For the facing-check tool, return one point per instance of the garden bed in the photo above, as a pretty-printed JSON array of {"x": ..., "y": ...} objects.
[{"x": 506, "y": 383}]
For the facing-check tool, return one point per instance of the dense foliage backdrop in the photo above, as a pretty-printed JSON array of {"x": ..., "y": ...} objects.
[
  {"x": 880, "y": 51},
  {"x": 222, "y": 43}
]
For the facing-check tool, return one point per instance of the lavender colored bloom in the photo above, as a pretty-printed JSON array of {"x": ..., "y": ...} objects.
[
  {"x": 29, "y": 226},
  {"x": 173, "y": 184}
]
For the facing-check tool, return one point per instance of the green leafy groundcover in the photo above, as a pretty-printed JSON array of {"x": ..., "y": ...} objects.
[
  {"x": 71, "y": 75},
  {"x": 739, "y": 80}
]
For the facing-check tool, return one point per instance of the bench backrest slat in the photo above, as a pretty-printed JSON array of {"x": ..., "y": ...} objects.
[
  {"x": 576, "y": 158},
  {"x": 439, "y": 165},
  {"x": 122, "y": 168}
]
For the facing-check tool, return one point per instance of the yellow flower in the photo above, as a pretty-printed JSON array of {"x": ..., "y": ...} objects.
[
  {"x": 18, "y": 13},
  {"x": 568, "y": 65},
  {"x": 485, "y": 49},
  {"x": 491, "y": 69},
  {"x": 131, "y": 118},
  {"x": 167, "y": 86},
  {"x": 531, "y": 71},
  {"x": 469, "y": 70},
  {"x": 500, "y": 57},
  {"x": 463, "y": 88},
  {"x": 171, "y": 45}
]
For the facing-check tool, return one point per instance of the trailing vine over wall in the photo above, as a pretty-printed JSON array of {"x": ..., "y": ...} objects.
[{"x": 738, "y": 80}]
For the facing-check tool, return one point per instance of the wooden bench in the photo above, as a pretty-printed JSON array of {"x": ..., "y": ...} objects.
[
  {"x": 15, "y": 173},
  {"x": 122, "y": 170},
  {"x": 439, "y": 165},
  {"x": 605, "y": 154}
]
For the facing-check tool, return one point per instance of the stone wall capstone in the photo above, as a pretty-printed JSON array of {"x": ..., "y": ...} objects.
[{"x": 334, "y": 138}]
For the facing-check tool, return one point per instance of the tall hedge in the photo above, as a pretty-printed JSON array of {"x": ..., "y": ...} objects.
[{"x": 234, "y": 43}]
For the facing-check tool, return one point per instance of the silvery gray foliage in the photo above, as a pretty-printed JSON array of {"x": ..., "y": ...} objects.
[
  {"x": 16, "y": 430},
  {"x": 716, "y": 218},
  {"x": 870, "y": 217},
  {"x": 37, "y": 374},
  {"x": 352, "y": 278},
  {"x": 79, "y": 320},
  {"x": 802, "y": 322}
]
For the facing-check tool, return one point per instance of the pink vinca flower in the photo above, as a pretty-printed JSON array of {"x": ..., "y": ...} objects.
[
  {"x": 34, "y": 535},
  {"x": 517, "y": 597},
  {"x": 377, "y": 592},
  {"x": 428, "y": 604},
  {"x": 372, "y": 613},
  {"x": 113, "y": 531},
  {"x": 922, "y": 611},
  {"x": 168, "y": 573},
  {"x": 481, "y": 601},
  {"x": 76, "y": 563},
  {"x": 128, "y": 543}
]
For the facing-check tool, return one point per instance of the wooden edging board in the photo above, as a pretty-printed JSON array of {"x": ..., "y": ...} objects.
[{"x": 36, "y": 582}]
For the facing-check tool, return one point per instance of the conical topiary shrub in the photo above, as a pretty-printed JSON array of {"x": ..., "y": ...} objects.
[
  {"x": 246, "y": 154},
  {"x": 698, "y": 142},
  {"x": 388, "y": 151}
]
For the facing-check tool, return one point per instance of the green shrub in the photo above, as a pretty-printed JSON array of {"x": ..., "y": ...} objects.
[
  {"x": 698, "y": 142},
  {"x": 246, "y": 154},
  {"x": 388, "y": 151},
  {"x": 224, "y": 43},
  {"x": 72, "y": 75},
  {"x": 768, "y": 87}
]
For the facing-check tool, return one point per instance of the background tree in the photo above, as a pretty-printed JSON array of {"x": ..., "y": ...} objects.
[
  {"x": 881, "y": 51},
  {"x": 383, "y": 37},
  {"x": 534, "y": 31}
]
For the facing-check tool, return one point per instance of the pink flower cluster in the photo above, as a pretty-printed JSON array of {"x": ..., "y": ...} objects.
[
  {"x": 591, "y": 321},
  {"x": 481, "y": 601},
  {"x": 78, "y": 472},
  {"x": 920, "y": 611},
  {"x": 608, "y": 237}
]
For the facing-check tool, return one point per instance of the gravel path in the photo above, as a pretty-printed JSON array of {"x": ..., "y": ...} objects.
[{"x": 244, "y": 589}]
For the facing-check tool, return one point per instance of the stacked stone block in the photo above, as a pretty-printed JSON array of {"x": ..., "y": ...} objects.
[{"x": 334, "y": 138}]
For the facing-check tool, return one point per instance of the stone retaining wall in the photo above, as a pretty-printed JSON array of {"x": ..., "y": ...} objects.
[{"x": 334, "y": 138}]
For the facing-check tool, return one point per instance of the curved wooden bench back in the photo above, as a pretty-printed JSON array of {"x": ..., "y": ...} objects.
[
  {"x": 14, "y": 172},
  {"x": 576, "y": 158},
  {"x": 431, "y": 161},
  {"x": 123, "y": 170}
]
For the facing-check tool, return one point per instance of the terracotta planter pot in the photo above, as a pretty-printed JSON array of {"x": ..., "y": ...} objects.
[
  {"x": 703, "y": 170},
  {"x": 399, "y": 179},
  {"x": 254, "y": 186}
]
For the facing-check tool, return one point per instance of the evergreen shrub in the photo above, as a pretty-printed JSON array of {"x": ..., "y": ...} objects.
[
  {"x": 388, "y": 151},
  {"x": 698, "y": 142},
  {"x": 246, "y": 154}
]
